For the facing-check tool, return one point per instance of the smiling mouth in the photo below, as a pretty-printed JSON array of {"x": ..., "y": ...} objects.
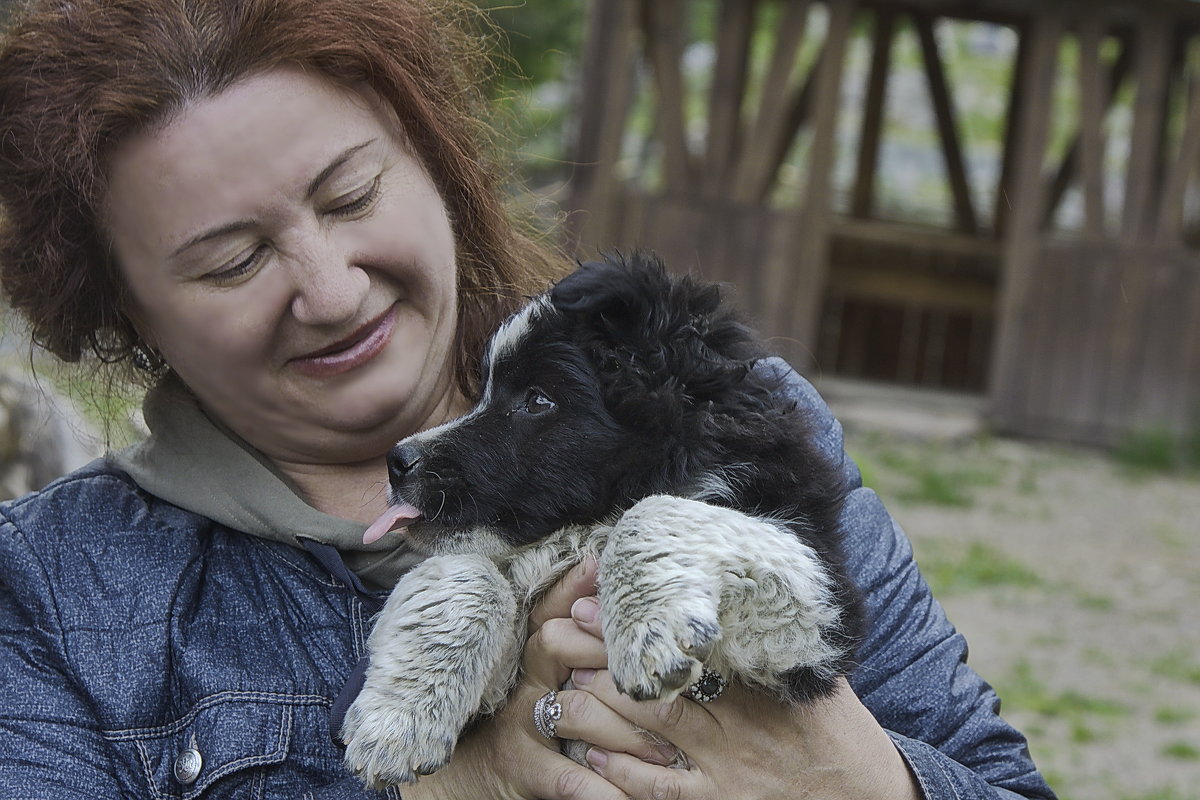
[{"x": 351, "y": 351}]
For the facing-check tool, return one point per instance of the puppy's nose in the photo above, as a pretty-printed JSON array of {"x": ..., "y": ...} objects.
[{"x": 401, "y": 460}]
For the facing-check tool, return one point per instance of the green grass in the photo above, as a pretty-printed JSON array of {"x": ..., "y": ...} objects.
[
  {"x": 950, "y": 569},
  {"x": 1178, "y": 666},
  {"x": 1171, "y": 715},
  {"x": 1182, "y": 751},
  {"x": 1167, "y": 793},
  {"x": 1025, "y": 691},
  {"x": 1159, "y": 450},
  {"x": 931, "y": 477}
]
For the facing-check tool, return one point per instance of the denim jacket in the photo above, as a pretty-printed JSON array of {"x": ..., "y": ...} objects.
[{"x": 148, "y": 652}]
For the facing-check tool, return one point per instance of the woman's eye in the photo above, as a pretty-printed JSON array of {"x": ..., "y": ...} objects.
[
  {"x": 537, "y": 403},
  {"x": 356, "y": 202},
  {"x": 241, "y": 266}
]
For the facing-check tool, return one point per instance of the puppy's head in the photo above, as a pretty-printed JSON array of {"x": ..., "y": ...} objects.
[{"x": 594, "y": 396}]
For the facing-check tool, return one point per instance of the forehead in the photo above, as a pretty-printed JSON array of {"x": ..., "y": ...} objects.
[{"x": 228, "y": 154}]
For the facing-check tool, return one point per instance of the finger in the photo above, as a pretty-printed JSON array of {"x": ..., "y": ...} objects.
[
  {"x": 563, "y": 779},
  {"x": 642, "y": 781},
  {"x": 580, "y": 581},
  {"x": 559, "y": 646},
  {"x": 683, "y": 722},
  {"x": 585, "y": 718},
  {"x": 586, "y": 613}
]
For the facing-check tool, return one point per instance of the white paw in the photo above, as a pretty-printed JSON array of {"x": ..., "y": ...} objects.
[
  {"x": 393, "y": 739},
  {"x": 656, "y": 654}
]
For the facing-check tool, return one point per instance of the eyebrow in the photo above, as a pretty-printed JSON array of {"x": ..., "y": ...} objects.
[{"x": 243, "y": 224}]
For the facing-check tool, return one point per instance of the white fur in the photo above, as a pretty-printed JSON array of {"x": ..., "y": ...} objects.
[
  {"x": 443, "y": 649},
  {"x": 514, "y": 330},
  {"x": 682, "y": 584}
]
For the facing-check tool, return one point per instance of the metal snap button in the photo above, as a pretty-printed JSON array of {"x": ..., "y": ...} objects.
[{"x": 188, "y": 765}]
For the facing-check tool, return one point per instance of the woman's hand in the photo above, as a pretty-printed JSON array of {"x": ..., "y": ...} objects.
[
  {"x": 748, "y": 745},
  {"x": 504, "y": 757}
]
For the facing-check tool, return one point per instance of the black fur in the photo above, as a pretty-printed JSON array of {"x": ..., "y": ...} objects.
[{"x": 628, "y": 383}]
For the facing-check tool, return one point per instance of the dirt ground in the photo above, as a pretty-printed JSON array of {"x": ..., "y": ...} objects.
[{"x": 1075, "y": 578}]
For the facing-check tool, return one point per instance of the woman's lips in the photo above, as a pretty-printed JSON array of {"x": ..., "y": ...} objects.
[{"x": 355, "y": 350}]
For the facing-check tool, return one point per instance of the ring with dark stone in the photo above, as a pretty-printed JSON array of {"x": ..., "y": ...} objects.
[{"x": 708, "y": 687}]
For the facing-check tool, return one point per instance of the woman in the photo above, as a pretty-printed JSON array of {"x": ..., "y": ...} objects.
[{"x": 280, "y": 211}]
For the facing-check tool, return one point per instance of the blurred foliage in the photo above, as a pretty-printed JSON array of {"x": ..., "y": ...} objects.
[
  {"x": 539, "y": 37},
  {"x": 537, "y": 66}
]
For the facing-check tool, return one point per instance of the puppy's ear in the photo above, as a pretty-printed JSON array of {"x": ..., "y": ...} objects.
[{"x": 618, "y": 289}]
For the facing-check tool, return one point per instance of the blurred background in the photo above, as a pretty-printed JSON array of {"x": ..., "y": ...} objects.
[{"x": 974, "y": 225}]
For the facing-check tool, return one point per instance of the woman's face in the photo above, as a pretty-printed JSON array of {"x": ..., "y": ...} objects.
[{"x": 291, "y": 260}]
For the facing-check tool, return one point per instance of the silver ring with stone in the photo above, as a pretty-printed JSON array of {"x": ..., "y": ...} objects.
[
  {"x": 708, "y": 686},
  {"x": 547, "y": 711}
]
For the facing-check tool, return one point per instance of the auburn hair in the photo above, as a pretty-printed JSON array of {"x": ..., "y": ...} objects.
[{"x": 77, "y": 77}]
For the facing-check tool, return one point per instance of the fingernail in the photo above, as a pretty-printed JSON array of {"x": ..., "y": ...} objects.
[
  {"x": 585, "y": 609},
  {"x": 596, "y": 757},
  {"x": 582, "y": 677}
]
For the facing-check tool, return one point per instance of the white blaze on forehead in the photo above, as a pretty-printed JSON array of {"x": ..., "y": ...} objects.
[
  {"x": 515, "y": 329},
  {"x": 506, "y": 339}
]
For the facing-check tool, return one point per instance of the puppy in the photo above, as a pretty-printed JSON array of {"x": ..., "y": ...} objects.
[{"x": 627, "y": 415}]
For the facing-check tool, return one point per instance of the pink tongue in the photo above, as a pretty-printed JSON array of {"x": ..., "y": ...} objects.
[{"x": 397, "y": 516}]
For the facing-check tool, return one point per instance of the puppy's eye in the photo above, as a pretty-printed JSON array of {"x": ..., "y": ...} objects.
[{"x": 537, "y": 403}]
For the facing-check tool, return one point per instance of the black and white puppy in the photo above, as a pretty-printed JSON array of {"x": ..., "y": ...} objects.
[{"x": 623, "y": 416}]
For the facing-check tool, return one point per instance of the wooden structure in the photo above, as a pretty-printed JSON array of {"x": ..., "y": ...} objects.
[{"x": 1083, "y": 327}]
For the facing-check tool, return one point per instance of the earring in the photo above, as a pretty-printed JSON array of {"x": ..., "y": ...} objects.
[{"x": 146, "y": 359}]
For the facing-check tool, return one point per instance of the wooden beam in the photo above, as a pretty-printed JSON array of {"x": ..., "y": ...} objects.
[
  {"x": 735, "y": 25},
  {"x": 1022, "y": 238},
  {"x": 1066, "y": 171},
  {"x": 665, "y": 45},
  {"x": 1092, "y": 104},
  {"x": 964, "y": 209},
  {"x": 873, "y": 114},
  {"x": 1170, "y": 218},
  {"x": 1149, "y": 112},
  {"x": 773, "y": 124}
]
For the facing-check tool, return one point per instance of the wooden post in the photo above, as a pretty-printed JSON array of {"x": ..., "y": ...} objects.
[
  {"x": 603, "y": 105},
  {"x": 1179, "y": 176},
  {"x": 1092, "y": 103},
  {"x": 734, "y": 27},
  {"x": 873, "y": 116},
  {"x": 1023, "y": 238},
  {"x": 1149, "y": 109},
  {"x": 1013, "y": 121},
  {"x": 664, "y": 43},
  {"x": 806, "y": 283}
]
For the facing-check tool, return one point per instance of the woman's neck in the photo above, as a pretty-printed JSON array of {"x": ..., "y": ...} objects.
[{"x": 357, "y": 492}]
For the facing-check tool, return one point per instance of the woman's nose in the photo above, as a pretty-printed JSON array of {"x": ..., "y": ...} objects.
[{"x": 328, "y": 286}]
